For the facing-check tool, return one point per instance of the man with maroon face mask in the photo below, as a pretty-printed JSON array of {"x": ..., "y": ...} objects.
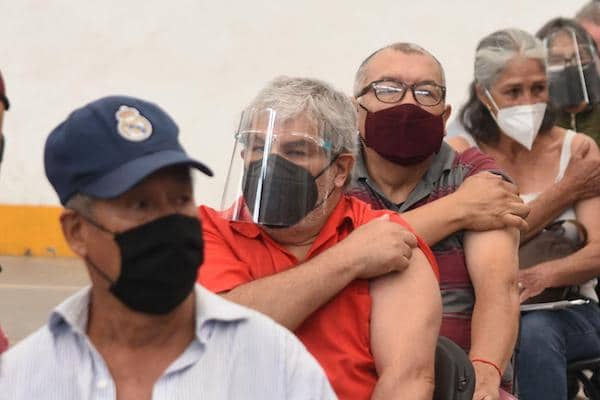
[{"x": 405, "y": 166}]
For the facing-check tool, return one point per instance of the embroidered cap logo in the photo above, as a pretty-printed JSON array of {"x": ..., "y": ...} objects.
[{"x": 131, "y": 125}]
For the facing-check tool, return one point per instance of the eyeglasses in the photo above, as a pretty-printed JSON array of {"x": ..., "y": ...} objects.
[
  {"x": 390, "y": 91},
  {"x": 556, "y": 59}
]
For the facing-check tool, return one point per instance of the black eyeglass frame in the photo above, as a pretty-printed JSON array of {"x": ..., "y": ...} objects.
[{"x": 404, "y": 86}]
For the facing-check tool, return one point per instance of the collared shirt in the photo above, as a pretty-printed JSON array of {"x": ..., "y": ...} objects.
[
  {"x": 447, "y": 172},
  {"x": 236, "y": 354},
  {"x": 338, "y": 333}
]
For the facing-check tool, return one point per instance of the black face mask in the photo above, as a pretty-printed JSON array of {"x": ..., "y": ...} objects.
[
  {"x": 565, "y": 88},
  {"x": 159, "y": 263},
  {"x": 288, "y": 193}
]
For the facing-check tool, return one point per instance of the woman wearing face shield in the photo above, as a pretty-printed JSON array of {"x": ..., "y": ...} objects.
[
  {"x": 507, "y": 116},
  {"x": 574, "y": 75}
]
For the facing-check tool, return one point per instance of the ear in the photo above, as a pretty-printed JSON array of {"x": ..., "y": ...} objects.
[
  {"x": 354, "y": 101},
  {"x": 447, "y": 113},
  {"x": 74, "y": 231},
  {"x": 344, "y": 165},
  {"x": 483, "y": 98}
]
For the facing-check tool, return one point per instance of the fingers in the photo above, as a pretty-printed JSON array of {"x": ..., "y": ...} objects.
[
  {"x": 405, "y": 262},
  {"x": 409, "y": 238},
  {"x": 509, "y": 187},
  {"x": 525, "y": 294},
  {"x": 515, "y": 221}
]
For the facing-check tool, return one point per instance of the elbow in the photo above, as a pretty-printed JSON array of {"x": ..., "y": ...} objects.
[{"x": 419, "y": 381}]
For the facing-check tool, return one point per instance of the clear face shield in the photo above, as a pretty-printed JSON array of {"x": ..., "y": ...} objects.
[
  {"x": 280, "y": 172},
  {"x": 573, "y": 70}
]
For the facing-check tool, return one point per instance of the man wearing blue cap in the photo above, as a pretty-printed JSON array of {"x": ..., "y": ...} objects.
[{"x": 144, "y": 329}]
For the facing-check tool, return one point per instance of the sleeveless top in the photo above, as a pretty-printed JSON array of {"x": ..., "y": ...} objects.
[{"x": 587, "y": 288}]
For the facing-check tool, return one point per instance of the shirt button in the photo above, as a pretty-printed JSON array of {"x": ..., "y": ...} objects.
[{"x": 102, "y": 384}]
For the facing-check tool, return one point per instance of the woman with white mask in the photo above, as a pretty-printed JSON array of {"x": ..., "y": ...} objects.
[{"x": 507, "y": 117}]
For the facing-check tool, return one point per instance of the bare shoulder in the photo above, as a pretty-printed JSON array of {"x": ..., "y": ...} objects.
[
  {"x": 580, "y": 141},
  {"x": 418, "y": 276}
]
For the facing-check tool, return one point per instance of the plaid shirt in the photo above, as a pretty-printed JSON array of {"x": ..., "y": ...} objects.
[{"x": 447, "y": 172}]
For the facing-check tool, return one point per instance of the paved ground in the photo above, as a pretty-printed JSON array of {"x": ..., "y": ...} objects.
[{"x": 31, "y": 287}]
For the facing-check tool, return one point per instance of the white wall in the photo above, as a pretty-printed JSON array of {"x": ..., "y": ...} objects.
[{"x": 204, "y": 60}]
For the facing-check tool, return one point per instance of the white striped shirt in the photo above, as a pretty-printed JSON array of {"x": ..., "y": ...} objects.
[{"x": 237, "y": 354}]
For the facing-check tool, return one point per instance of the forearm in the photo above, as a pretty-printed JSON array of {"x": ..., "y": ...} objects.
[
  {"x": 575, "y": 269},
  {"x": 291, "y": 296},
  {"x": 546, "y": 207},
  {"x": 494, "y": 326},
  {"x": 436, "y": 220},
  {"x": 419, "y": 384}
]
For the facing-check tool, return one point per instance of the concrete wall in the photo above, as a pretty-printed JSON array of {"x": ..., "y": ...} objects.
[{"x": 204, "y": 60}]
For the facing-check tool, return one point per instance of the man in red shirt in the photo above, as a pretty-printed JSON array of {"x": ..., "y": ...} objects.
[{"x": 356, "y": 285}]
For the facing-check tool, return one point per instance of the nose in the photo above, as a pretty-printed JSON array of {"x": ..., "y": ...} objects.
[{"x": 409, "y": 98}]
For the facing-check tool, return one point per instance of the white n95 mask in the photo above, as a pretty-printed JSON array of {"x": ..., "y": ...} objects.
[{"x": 520, "y": 123}]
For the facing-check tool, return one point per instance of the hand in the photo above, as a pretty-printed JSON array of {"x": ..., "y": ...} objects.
[
  {"x": 582, "y": 176},
  {"x": 490, "y": 202},
  {"x": 533, "y": 281},
  {"x": 379, "y": 246},
  {"x": 487, "y": 382}
]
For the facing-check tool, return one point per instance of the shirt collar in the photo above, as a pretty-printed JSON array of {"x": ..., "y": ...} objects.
[
  {"x": 73, "y": 312},
  {"x": 442, "y": 161},
  {"x": 212, "y": 307}
]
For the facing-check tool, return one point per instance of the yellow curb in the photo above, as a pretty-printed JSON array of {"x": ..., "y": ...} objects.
[{"x": 32, "y": 231}]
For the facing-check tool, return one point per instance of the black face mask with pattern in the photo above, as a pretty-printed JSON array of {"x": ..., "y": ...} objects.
[{"x": 159, "y": 263}]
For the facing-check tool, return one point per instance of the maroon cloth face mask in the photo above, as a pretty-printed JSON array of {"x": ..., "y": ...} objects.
[{"x": 405, "y": 134}]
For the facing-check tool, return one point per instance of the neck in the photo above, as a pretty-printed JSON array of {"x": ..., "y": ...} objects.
[
  {"x": 509, "y": 148},
  {"x": 112, "y": 323},
  {"x": 299, "y": 238},
  {"x": 394, "y": 180}
]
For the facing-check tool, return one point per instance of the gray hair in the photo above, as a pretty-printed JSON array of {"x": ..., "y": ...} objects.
[
  {"x": 329, "y": 108},
  {"x": 590, "y": 12},
  {"x": 497, "y": 49},
  {"x": 81, "y": 203},
  {"x": 402, "y": 47}
]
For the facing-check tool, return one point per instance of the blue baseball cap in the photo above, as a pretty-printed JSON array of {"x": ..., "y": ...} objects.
[{"x": 108, "y": 146}]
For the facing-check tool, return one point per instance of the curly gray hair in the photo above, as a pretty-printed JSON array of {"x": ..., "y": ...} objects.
[{"x": 331, "y": 110}]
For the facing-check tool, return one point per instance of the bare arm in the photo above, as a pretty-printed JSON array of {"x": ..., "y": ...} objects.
[
  {"x": 575, "y": 269},
  {"x": 581, "y": 181},
  {"x": 582, "y": 265},
  {"x": 291, "y": 296},
  {"x": 405, "y": 323},
  {"x": 484, "y": 201},
  {"x": 492, "y": 261}
]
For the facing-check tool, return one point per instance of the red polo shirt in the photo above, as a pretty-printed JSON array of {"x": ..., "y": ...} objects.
[{"x": 338, "y": 333}]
